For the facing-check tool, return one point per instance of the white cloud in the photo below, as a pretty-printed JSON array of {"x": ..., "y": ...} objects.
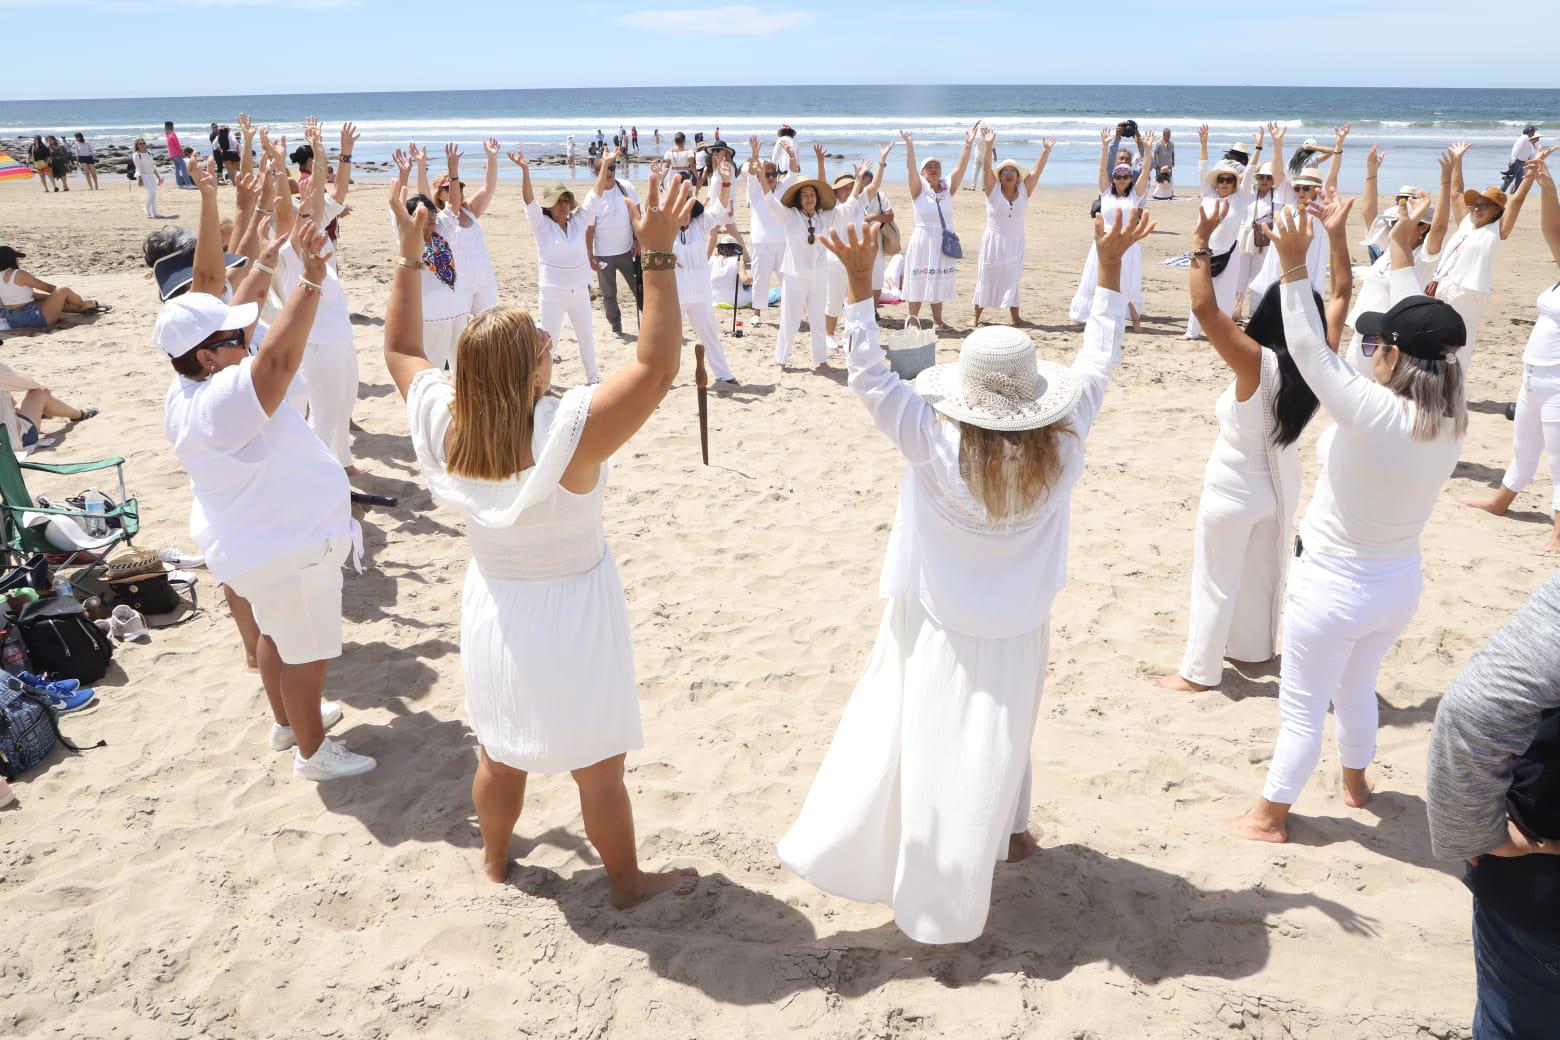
[{"x": 731, "y": 20}]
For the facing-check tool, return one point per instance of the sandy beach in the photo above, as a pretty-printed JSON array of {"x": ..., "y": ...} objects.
[{"x": 180, "y": 882}]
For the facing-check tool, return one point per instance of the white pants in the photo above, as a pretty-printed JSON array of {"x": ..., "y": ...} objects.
[
  {"x": 706, "y": 330},
  {"x": 150, "y": 184},
  {"x": 1343, "y": 615},
  {"x": 559, "y": 303},
  {"x": 1236, "y": 568},
  {"x": 765, "y": 263},
  {"x": 331, "y": 371},
  {"x": 439, "y": 338},
  {"x": 1537, "y": 429},
  {"x": 839, "y": 285},
  {"x": 802, "y": 297}
]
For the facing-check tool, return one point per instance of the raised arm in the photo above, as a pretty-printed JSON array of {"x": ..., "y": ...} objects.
[
  {"x": 964, "y": 158},
  {"x": 246, "y": 157},
  {"x": 420, "y": 160},
  {"x": 258, "y": 279},
  {"x": 1031, "y": 181},
  {"x": 1508, "y": 220},
  {"x": 1443, "y": 207},
  {"x": 1459, "y": 207},
  {"x": 457, "y": 198},
  {"x": 210, "y": 272},
  {"x": 245, "y": 240},
  {"x": 604, "y": 175},
  {"x": 479, "y": 202},
  {"x": 349, "y": 137},
  {"x": 914, "y": 174},
  {"x": 822, "y": 168},
  {"x": 1240, "y": 352},
  {"x": 1335, "y": 165},
  {"x": 1276, "y": 165},
  {"x": 1549, "y": 213},
  {"x": 404, "y": 356},
  {"x": 1340, "y": 271},
  {"x": 1248, "y": 176},
  {"x": 518, "y": 158},
  {"x": 1145, "y": 174},
  {"x": 1101, "y": 351},
  {"x": 1106, "y": 159},
  {"x": 282, "y": 352},
  {"x": 1202, "y": 147},
  {"x": 627, "y": 398},
  {"x": 1401, "y": 241},
  {"x": 1369, "y": 201},
  {"x": 988, "y": 177}
]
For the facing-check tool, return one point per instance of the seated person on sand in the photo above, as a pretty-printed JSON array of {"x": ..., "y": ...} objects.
[
  {"x": 29, "y": 302},
  {"x": 22, "y": 417}
]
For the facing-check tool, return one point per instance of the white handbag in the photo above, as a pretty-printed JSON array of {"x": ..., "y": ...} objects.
[{"x": 912, "y": 349}]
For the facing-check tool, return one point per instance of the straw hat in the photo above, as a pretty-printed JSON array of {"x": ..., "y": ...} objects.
[
  {"x": 999, "y": 384},
  {"x": 553, "y": 192},
  {"x": 1307, "y": 176},
  {"x": 844, "y": 180},
  {"x": 728, "y": 242},
  {"x": 792, "y": 196},
  {"x": 1491, "y": 194},
  {"x": 1224, "y": 167}
]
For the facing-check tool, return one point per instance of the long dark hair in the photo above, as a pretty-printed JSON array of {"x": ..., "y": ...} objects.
[{"x": 1295, "y": 402}]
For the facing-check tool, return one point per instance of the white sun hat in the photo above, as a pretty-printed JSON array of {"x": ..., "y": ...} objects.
[
  {"x": 999, "y": 384},
  {"x": 1225, "y": 167}
]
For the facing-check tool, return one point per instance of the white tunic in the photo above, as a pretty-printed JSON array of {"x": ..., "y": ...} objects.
[
  {"x": 929, "y": 273},
  {"x": 1001, "y": 261},
  {"x": 546, "y": 652}
]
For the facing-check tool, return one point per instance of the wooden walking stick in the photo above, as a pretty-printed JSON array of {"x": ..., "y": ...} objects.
[{"x": 702, "y": 379}]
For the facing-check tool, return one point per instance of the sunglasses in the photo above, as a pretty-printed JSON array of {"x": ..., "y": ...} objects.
[
  {"x": 1368, "y": 345},
  {"x": 231, "y": 338},
  {"x": 1224, "y": 180},
  {"x": 1123, "y": 176},
  {"x": 1305, "y": 187}
]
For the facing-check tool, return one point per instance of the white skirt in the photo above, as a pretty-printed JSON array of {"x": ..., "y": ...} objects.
[
  {"x": 1131, "y": 283},
  {"x": 927, "y": 775},
  {"x": 929, "y": 275},
  {"x": 997, "y": 274},
  {"x": 549, "y": 669}
]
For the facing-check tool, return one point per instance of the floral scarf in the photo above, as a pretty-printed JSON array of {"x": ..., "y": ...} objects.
[{"x": 438, "y": 258}]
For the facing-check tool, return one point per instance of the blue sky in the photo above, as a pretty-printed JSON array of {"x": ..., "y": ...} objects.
[{"x": 138, "y": 48}]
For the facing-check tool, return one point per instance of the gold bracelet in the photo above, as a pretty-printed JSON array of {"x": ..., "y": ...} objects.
[
  {"x": 1292, "y": 270},
  {"x": 402, "y": 261},
  {"x": 658, "y": 260}
]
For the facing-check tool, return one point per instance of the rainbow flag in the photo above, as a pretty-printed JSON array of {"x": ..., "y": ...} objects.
[{"x": 11, "y": 170}]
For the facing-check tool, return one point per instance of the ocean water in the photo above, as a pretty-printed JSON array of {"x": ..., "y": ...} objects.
[{"x": 1412, "y": 125}]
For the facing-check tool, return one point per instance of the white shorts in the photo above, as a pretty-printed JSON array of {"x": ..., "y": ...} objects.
[{"x": 296, "y": 599}]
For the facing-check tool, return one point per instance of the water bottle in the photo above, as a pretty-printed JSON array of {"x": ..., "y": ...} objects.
[
  {"x": 95, "y": 505},
  {"x": 62, "y": 589}
]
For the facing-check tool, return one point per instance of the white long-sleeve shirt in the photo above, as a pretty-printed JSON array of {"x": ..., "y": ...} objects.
[
  {"x": 560, "y": 251},
  {"x": 804, "y": 259},
  {"x": 1524, "y": 149},
  {"x": 973, "y": 575},
  {"x": 1378, "y": 485},
  {"x": 692, "y": 246},
  {"x": 763, "y": 225}
]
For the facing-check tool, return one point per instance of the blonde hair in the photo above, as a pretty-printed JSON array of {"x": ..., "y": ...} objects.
[
  {"x": 1010, "y": 471},
  {"x": 495, "y": 394},
  {"x": 1436, "y": 388}
]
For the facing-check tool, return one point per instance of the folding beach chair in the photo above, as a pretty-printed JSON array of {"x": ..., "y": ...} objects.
[{"x": 24, "y": 535}]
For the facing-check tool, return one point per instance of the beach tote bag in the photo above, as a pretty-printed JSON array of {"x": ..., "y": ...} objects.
[
  {"x": 950, "y": 240},
  {"x": 911, "y": 350},
  {"x": 890, "y": 241}
]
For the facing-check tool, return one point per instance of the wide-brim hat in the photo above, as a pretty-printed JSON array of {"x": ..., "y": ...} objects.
[
  {"x": 1224, "y": 168},
  {"x": 728, "y": 242},
  {"x": 718, "y": 145},
  {"x": 999, "y": 384},
  {"x": 176, "y": 271},
  {"x": 844, "y": 180},
  {"x": 793, "y": 194},
  {"x": 1491, "y": 194},
  {"x": 1307, "y": 176},
  {"x": 553, "y": 192},
  {"x": 1008, "y": 164},
  {"x": 1238, "y": 154}
]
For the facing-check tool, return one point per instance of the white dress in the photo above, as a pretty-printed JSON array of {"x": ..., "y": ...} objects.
[
  {"x": 1131, "y": 261},
  {"x": 1001, "y": 249},
  {"x": 474, "y": 262},
  {"x": 929, "y": 275},
  {"x": 1267, "y": 274},
  {"x": 928, "y": 773},
  {"x": 545, "y": 646},
  {"x": 1251, "y": 491},
  {"x": 1225, "y": 241},
  {"x": 1463, "y": 277}
]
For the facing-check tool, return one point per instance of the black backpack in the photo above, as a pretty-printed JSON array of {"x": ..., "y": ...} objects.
[{"x": 61, "y": 642}]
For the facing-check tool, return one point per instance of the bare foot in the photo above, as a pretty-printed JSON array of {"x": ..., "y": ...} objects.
[
  {"x": 352, "y": 471},
  {"x": 1357, "y": 788},
  {"x": 1253, "y": 827},
  {"x": 681, "y": 881},
  {"x": 496, "y": 868},
  {"x": 1021, "y": 846},
  {"x": 824, "y": 366},
  {"x": 1492, "y": 505},
  {"x": 1553, "y": 545},
  {"x": 1180, "y": 684}
]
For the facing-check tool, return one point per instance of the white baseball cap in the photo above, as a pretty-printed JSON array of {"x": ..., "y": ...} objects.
[{"x": 186, "y": 321}]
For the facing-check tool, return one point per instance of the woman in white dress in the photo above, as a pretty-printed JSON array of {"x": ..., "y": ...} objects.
[
  {"x": 1119, "y": 194},
  {"x": 1355, "y": 582},
  {"x": 1296, "y": 193},
  {"x": 851, "y": 194},
  {"x": 1251, "y": 486},
  {"x": 1465, "y": 271},
  {"x": 1537, "y": 430},
  {"x": 929, "y": 270},
  {"x": 926, "y": 784},
  {"x": 146, "y": 172},
  {"x": 693, "y": 245},
  {"x": 563, "y": 264},
  {"x": 1228, "y": 180},
  {"x": 546, "y": 652},
  {"x": 1008, "y": 189},
  {"x": 472, "y": 259}
]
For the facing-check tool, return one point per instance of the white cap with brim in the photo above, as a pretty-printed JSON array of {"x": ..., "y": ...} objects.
[{"x": 187, "y": 321}]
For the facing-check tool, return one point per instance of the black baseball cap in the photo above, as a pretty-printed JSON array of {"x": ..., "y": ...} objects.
[{"x": 1420, "y": 326}]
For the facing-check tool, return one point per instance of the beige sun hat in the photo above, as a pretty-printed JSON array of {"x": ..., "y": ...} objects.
[
  {"x": 792, "y": 196},
  {"x": 553, "y": 192},
  {"x": 1307, "y": 176},
  {"x": 999, "y": 384},
  {"x": 1225, "y": 168}
]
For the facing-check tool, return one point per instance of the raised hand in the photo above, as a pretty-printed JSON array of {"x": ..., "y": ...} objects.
[
  {"x": 1111, "y": 243},
  {"x": 753, "y": 145},
  {"x": 818, "y": 151},
  {"x": 1202, "y": 134},
  {"x": 856, "y": 252},
  {"x": 1342, "y": 132},
  {"x": 410, "y": 228},
  {"x": 989, "y": 136},
  {"x": 657, "y": 225},
  {"x": 419, "y": 155},
  {"x": 1277, "y": 132},
  {"x": 1208, "y": 222},
  {"x": 349, "y": 137},
  {"x": 907, "y": 137},
  {"x": 726, "y": 171},
  {"x": 1260, "y": 132},
  {"x": 1048, "y": 143},
  {"x": 1374, "y": 158},
  {"x": 1537, "y": 169},
  {"x": 1459, "y": 149},
  {"x": 204, "y": 174},
  {"x": 1334, "y": 211},
  {"x": 246, "y": 185},
  {"x": 492, "y": 149},
  {"x": 518, "y": 158},
  {"x": 245, "y": 127},
  {"x": 452, "y": 154},
  {"x": 970, "y": 134},
  {"x": 1106, "y": 134},
  {"x": 1291, "y": 236},
  {"x": 883, "y": 152},
  {"x": 403, "y": 165},
  {"x": 1446, "y": 161}
]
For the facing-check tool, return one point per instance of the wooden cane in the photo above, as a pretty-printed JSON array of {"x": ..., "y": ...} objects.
[{"x": 702, "y": 380}]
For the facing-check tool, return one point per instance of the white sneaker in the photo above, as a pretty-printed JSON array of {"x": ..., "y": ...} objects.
[
  {"x": 331, "y": 761},
  {"x": 282, "y": 736},
  {"x": 179, "y": 558}
]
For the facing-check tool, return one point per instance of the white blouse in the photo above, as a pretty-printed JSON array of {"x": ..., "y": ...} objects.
[
  {"x": 986, "y": 578},
  {"x": 1468, "y": 258},
  {"x": 804, "y": 259},
  {"x": 1543, "y": 346},
  {"x": 692, "y": 246},
  {"x": 560, "y": 250}
]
